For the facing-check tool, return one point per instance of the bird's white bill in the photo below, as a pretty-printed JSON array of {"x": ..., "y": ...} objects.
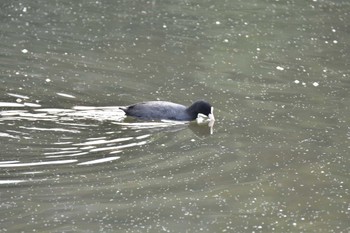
[
  {"x": 210, "y": 119},
  {"x": 201, "y": 118}
]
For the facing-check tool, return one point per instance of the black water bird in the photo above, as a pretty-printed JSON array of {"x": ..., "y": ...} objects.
[{"x": 164, "y": 110}]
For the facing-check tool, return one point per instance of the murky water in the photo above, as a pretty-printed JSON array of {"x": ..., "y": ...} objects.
[{"x": 277, "y": 73}]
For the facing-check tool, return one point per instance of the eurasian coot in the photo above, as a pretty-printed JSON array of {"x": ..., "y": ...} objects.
[{"x": 164, "y": 110}]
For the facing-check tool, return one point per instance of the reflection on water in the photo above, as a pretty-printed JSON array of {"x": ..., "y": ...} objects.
[{"x": 275, "y": 71}]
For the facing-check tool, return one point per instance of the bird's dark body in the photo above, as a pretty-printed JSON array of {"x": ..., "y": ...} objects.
[{"x": 158, "y": 110}]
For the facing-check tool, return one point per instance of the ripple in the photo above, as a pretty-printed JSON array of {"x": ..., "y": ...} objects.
[
  {"x": 52, "y": 129},
  {"x": 18, "y": 96},
  {"x": 96, "y": 161},
  {"x": 16, "y": 105},
  {"x": 66, "y": 95},
  {"x": 41, "y": 163},
  {"x": 150, "y": 125},
  {"x": 82, "y": 135},
  {"x": 119, "y": 147},
  {"x": 32, "y": 105},
  {"x": 61, "y": 152},
  {"x": 67, "y": 155},
  {"x": 6, "y": 135},
  {"x": 9, "y": 104},
  {"x": 103, "y": 141},
  {"x": 6, "y": 162},
  {"x": 11, "y": 181}
]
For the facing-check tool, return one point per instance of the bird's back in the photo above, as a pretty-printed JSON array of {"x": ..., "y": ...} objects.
[{"x": 158, "y": 110}]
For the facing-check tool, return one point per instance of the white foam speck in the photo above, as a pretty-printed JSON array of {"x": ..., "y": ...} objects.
[
  {"x": 296, "y": 81},
  {"x": 217, "y": 22},
  {"x": 47, "y": 80},
  {"x": 279, "y": 68},
  {"x": 24, "y": 50},
  {"x": 315, "y": 84}
]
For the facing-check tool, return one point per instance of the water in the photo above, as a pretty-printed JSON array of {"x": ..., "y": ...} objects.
[{"x": 276, "y": 72}]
